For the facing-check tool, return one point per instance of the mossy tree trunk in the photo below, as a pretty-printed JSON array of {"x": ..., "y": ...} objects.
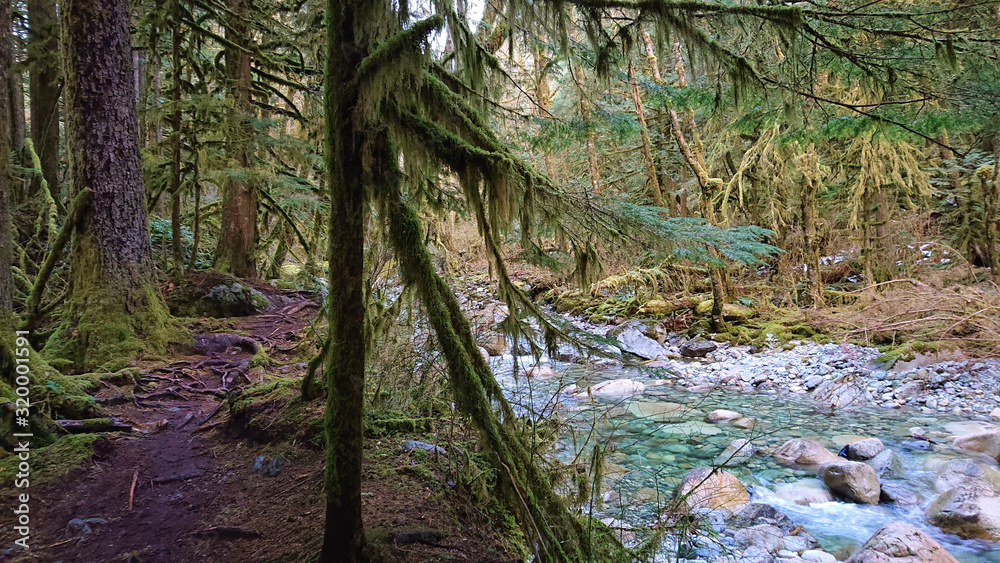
[
  {"x": 114, "y": 307},
  {"x": 543, "y": 98},
  {"x": 992, "y": 192},
  {"x": 647, "y": 146},
  {"x": 810, "y": 250},
  {"x": 238, "y": 237},
  {"x": 43, "y": 53},
  {"x": 343, "y": 538},
  {"x": 6, "y": 182},
  {"x": 175, "y": 161}
]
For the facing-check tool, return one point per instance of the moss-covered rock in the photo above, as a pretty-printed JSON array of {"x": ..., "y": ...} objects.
[
  {"x": 275, "y": 411},
  {"x": 216, "y": 295}
]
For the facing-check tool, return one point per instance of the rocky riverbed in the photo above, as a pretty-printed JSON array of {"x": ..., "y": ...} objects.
[{"x": 918, "y": 450}]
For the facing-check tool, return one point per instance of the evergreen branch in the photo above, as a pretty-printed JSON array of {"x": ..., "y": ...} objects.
[{"x": 391, "y": 49}]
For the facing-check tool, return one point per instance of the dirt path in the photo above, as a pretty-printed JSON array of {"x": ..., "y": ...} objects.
[{"x": 178, "y": 489}]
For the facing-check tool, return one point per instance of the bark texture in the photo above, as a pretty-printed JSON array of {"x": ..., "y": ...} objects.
[
  {"x": 6, "y": 242},
  {"x": 114, "y": 308},
  {"x": 238, "y": 238},
  {"x": 343, "y": 539}
]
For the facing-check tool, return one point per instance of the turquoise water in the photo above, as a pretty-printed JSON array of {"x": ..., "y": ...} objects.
[{"x": 655, "y": 438}]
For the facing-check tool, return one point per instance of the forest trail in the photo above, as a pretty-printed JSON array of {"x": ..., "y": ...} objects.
[{"x": 181, "y": 488}]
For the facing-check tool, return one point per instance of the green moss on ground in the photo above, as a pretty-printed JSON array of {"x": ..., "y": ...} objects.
[
  {"x": 51, "y": 462},
  {"x": 275, "y": 411}
]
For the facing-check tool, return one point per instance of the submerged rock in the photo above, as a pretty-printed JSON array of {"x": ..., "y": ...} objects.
[
  {"x": 900, "y": 542},
  {"x": 618, "y": 388},
  {"x": 722, "y": 415},
  {"x": 704, "y": 487},
  {"x": 806, "y": 491}
]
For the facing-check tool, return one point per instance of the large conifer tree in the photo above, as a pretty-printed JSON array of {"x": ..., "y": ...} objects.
[{"x": 114, "y": 307}]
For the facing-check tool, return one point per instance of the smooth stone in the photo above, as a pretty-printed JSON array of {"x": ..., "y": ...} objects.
[
  {"x": 966, "y": 427},
  {"x": 852, "y": 480},
  {"x": 887, "y": 465},
  {"x": 618, "y": 388},
  {"x": 866, "y": 449},
  {"x": 722, "y": 415},
  {"x": 995, "y": 414},
  {"x": 635, "y": 342},
  {"x": 805, "y": 491},
  {"x": 745, "y": 423},
  {"x": 900, "y": 542},
  {"x": 803, "y": 452},
  {"x": 540, "y": 372},
  {"x": 818, "y": 556},
  {"x": 987, "y": 443},
  {"x": 704, "y": 487},
  {"x": 659, "y": 412},
  {"x": 768, "y": 537},
  {"x": 690, "y": 429},
  {"x": 697, "y": 348},
  {"x": 892, "y": 493}
]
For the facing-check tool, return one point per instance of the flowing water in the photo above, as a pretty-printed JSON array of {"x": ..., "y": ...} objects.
[{"x": 654, "y": 444}]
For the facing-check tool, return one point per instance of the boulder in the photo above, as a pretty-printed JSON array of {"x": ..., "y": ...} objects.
[
  {"x": 704, "y": 487},
  {"x": 494, "y": 342},
  {"x": 818, "y": 556},
  {"x": 954, "y": 472},
  {"x": 659, "y": 412},
  {"x": 900, "y": 542},
  {"x": 864, "y": 449},
  {"x": 901, "y": 495},
  {"x": 760, "y": 513},
  {"x": 738, "y": 451},
  {"x": 697, "y": 348},
  {"x": 852, "y": 480},
  {"x": 983, "y": 442},
  {"x": 803, "y": 452},
  {"x": 806, "y": 491},
  {"x": 766, "y": 536},
  {"x": 618, "y": 388},
  {"x": 841, "y": 393},
  {"x": 635, "y": 342},
  {"x": 722, "y": 415},
  {"x": 887, "y": 465},
  {"x": 540, "y": 372},
  {"x": 745, "y": 422},
  {"x": 971, "y": 510}
]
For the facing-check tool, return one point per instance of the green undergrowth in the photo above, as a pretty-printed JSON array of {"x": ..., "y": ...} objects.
[
  {"x": 50, "y": 462},
  {"x": 274, "y": 411}
]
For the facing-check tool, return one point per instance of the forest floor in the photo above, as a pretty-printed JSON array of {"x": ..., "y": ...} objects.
[{"x": 182, "y": 487}]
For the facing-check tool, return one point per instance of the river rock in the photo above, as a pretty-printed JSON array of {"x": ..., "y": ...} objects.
[
  {"x": 618, "y": 388},
  {"x": 983, "y": 442},
  {"x": 852, "y": 480},
  {"x": 818, "y": 556},
  {"x": 768, "y": 537},
  {"x": 995, "y": 414},
  {"x": 704, "y": 487},
  {"x": 635, "y": 342},
  {"x": 722, "y": 415},
  {"x": 540, "y": 372},
  {"x": 737, "y": 452},
  {"x": 841, "y": 393},
  {"x": 744, "y": 422},
  {"x": 900, "y": 542},
  {"x": 887, "y": 465},
  {"x": 806, "y": 491},
  {"x": 697, "y": 348},
  {"x": 803, "y": 452},
  {"x": 898, "y": 494},
  {"x": 971, "y": 511},
  {"x": 954, "y": 472},
  {"x": 864, "y": 449},
  {"x": 495, "y": 343},
  {"x": 659, "y": 412}
]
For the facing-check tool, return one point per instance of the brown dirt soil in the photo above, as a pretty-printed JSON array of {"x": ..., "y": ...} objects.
[{"x": 197, "y": 497}]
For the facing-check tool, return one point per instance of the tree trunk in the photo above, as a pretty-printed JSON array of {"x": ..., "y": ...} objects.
[
  {"x": 238, "y": 237},
  {"x": 990, "y": 218},
  {"x": 43, "y": 49},
  {"x": 175, "y": 164},
  {"x": 647, "y": 147},
  {"x": 543, "y": 101},
  {"x": 114, "y": 307},
  {"x": 667, "y": 184},
  {"x": 592, "y": 162},
  {"x": 6, "y": 183},
  {"x": 343, "y": 538},
  {"x": 810, "y": 191}
]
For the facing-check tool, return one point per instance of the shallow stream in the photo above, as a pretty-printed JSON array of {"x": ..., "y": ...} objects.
[{"x": 651, "y": 444}]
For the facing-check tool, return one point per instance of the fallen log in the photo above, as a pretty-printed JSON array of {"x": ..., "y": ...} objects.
[{"x": 93, "y": 425}]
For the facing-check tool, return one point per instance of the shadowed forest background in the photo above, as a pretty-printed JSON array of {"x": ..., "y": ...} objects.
[{"x": 357, "y": 280}]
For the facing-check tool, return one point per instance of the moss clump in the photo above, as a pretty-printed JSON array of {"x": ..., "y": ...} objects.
[
  {"x": 906, "y": 352},
  {"x": 377, "y": 426},
  {"x": 51, "y": 462},
  {"x": 98, "y": 334}
]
